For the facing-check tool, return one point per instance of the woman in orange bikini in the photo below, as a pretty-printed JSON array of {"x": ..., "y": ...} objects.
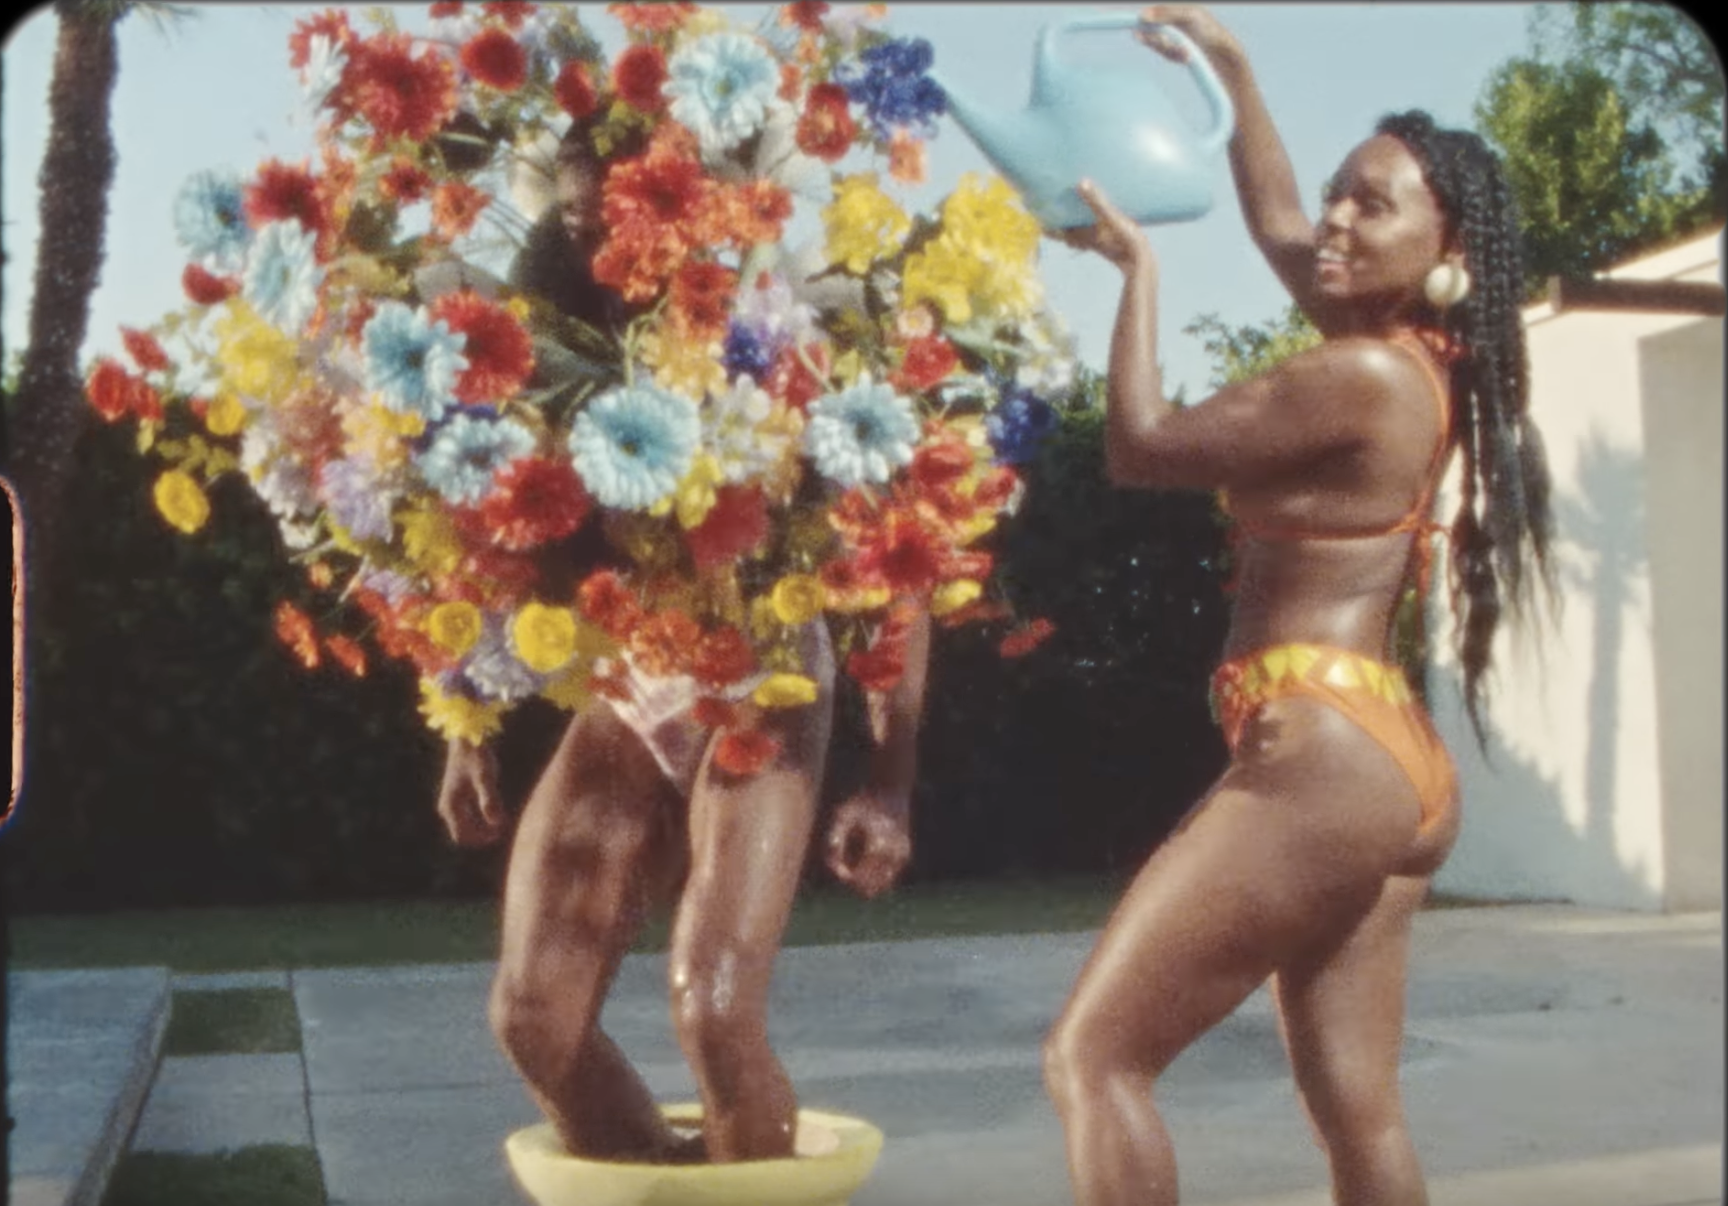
[{"x": 1306, "y": 861}]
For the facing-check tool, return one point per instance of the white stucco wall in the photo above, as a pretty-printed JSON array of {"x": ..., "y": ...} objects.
[{"x": 1602, "y": 781}]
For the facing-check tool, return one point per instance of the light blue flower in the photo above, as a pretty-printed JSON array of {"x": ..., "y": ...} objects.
[
  {"x": 210, "y": 219},
  {"x": 466, "y": 454},
  {"x": 492, "y": 670},
  {"x": 282, "y": 276},
  {"x": 412, "y": 362},
  {"x": 358, "y": 497},
  {"x": 634, "y": 444},
  {"x": 861, "y": 434},
  {"x": 721, "y": 87}
]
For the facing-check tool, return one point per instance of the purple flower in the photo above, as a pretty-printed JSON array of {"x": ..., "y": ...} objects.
[
  {"x": 748, "y": 354},
  {"x": 1019, "y": 424}
]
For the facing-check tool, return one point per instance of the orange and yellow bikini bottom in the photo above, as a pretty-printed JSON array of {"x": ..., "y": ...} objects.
[{"x": 1373, "y": 695}]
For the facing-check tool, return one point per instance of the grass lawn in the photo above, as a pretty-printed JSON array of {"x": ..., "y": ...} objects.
[
  {"x": 234, "y": 1021},
  {"x": 255, "y": 1176}
]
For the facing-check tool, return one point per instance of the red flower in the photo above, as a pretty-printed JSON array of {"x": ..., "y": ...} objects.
[
  {"x": 348, "y": 654},
  {"x": 499, "y": 351},
  {"x": 651, "y": 18},
  {"x": 940, "y": 466},
  {"x": 928, "y": 360},
  {"x": 332, "y": 23},
  {"x": 603, "y": 599},
  {"x": 713, "y": 713},
  {"x": 638, "y": 76},
  {"x": 909, "y": 556},
  {"x": 401, "y": 94},
  {"x": 445, "y": 8},
  {"x": 284, "y": 191},
  {"x": 790, "y": 80},
  {"x": 744, "y": 753},
  {"x": 663, "y": 643},
  {"x": 701, "y": 297},
  {"x": 535, "y": 501},
  {"x": 805, "y": 14},
  {"x": 722, "y": 658},
  {"x": 206, "y": 288},
  {"x": 1025, "y": 639},
  {"x": 757, "y": 212},
  {"x": 513, "y": 13},
  {"x": 294, "y": 629},
  {"x": 826, "y": 128},
  {"x": 405, "y": 182},
  {"x": 114, "y": 393},
  {"x": 847, "y": 576},
  {"x": 978, "y": 611},
  {"x": 455, "y": 207},
  {"x": 660, "y": 188},
  {"x": 146, "y": 353},
  {"x": 791, "y": 380},
  {"x": 496, "y": 59},
  {"x": 996, "y": 488},
  {"x": 574, "y": 90},
  {"x": 509, "y": 578},
  {"x": 879, "y": 667},
  {"x": 737, "y": 524}
]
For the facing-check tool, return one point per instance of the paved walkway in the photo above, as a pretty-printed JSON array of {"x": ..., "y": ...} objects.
[{"x": 1555, "y": 1055}]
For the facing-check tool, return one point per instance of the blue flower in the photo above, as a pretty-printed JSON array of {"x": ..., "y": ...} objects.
[
  {"x": 358, "y": 498},
  {"x": 412, "y": 362},
  {"x": 747, "y": 353},
  {"x": 889, "y": 80},
  {"x": 1017, "y": 426},
  {"x": 210, "y": 218},
  {"x": 861, "y": 434},
  {"x": 634, "y": 444},
  {"x": 282, "y": 276},
  {"x": 721, "y": 87},
  {"x": 467, "y": 453}
]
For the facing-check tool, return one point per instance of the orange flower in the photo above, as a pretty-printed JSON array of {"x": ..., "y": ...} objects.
[
  {"x": 906, "y": 160},
  {"x": 1025, "y": 639},
  {"x": 826, "y": 129},
  {"x": 757, "y": 212},
  {"x": 701, "y": 298},
  {"x": 496, "y": 59},
  {"x": 744, "y": 753},
  {"x": 604, "y": 600},
  {"x": 406, "y": 181},
  {"x": 722, "y": 657},
  {"x": 455, "y": 206},
  {"x": 790, "y": 80},
  {"x": 979, "y": 611},
  {"x": 294, "y": 629},
  {"x": 348, "y": 654},
  {"x": 663, "y": 643},
  {"x": 499, "y": 351},
  {"x": 928, "y": 360},
  {"x": 940, "y": 464}
]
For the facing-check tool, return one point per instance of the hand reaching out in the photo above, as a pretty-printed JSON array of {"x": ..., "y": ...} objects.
[
  {"x": 1115, "y": 235},
  {"x": 1194, "y": 20},
  {"x": 468, "y": 799}
]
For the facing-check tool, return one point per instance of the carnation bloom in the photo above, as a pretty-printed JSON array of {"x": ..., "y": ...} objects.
[
  {"x": 906, "y": 554},
  {"x": 755, "y": 212},
  {"x": 210, "y": 219},
  {"x": 745, "y": 752},
  {"x": 701, "y": 297},
  {"x": 181, "y": 500},
  {"x": 499, "y": 352},
  {"x": 735, "y": 525},
  {"x": 467, "y": 454},
  {"x": 722, "y": 657},
  {"x": 826, "y": 129},
  {"x": 144, "y": 349},
  {"x": 534, "y": 501},
  {"x": 634, "y": 444},
  {"x": 205, "y": 288},
  {"x": 544, "y": 637},
  {"x": 605, "y": 601},
  {"x": 927, "y": 362},
  {"x": 456, "y": 206},
  {"x": 863, "y": 224},
  {"x": 861, "y": 434},
  {"x": 720, "y": 87},
  {"x": 405, "y": 182},
  {"x": 399, "y": 93},
  {"x": 651, "y": 18},
  {"x": 411, "y": 360},
  {"x": 294, "y": 629},
  {"x": 282, "y": 276},
  {"x": 283, "y": 192},
  {"x": 665, "y": 642},
  {"x": 496, "y": 59},
  {"x": 574, "y": 90},
  {"x": 638, "y": 76}
]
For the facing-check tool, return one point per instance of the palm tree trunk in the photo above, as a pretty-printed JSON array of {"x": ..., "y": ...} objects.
[{"x": 49, "y": 412}]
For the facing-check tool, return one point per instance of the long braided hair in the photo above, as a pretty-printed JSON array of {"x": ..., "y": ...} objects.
[{"x": 1501, "y": 533}]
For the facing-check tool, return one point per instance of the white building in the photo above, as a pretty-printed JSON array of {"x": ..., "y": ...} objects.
[{"x": 1603, "y": 780}]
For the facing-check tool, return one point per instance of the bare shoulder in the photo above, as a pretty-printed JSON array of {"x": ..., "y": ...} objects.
[{"x": 1359, "y": 374}]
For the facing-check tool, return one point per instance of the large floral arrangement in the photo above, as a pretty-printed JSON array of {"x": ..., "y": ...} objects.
[{"x": 777, "y": 435}]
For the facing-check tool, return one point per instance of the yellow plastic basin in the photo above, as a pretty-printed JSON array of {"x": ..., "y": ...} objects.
[{"x": 834, "y": 1156}]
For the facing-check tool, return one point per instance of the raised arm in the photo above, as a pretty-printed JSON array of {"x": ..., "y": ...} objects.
[{"x": 1259, "y": 164}]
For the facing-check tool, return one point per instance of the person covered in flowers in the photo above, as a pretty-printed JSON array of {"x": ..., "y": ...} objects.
[
  {"x": 632, "y": 804},
  {"x": 1306, "y": 861}
]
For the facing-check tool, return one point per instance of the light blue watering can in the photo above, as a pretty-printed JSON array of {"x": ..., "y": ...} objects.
[{"x": 1111, "y": 126}]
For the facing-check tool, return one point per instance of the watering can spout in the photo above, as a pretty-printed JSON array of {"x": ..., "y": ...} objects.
[{"x": 994, "y": 132}]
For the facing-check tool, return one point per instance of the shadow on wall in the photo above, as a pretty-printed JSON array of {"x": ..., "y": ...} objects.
[{"x": 1517, "y": 840}]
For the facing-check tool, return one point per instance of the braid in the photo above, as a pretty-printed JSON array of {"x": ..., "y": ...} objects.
[{"x": 1503, "y": 526}]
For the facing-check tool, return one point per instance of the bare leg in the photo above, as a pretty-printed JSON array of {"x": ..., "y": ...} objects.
[
  {"x": 1343, "y": 1021},
  {"x": 592, "y": 839},
  {"x": 1285, "y": 855},
  {"x": 748, "y": 841}
]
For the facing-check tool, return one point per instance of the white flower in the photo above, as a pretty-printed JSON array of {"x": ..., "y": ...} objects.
[
  {"x": 323, "y": 69},
  {"x": 732, "y": 431},
  {"x": 632, "y": 445},
  {"x": 861, "y": 434},
  {"x": 721, "y": 87}
]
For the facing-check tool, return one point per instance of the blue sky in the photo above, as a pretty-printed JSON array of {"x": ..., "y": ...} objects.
[{"x": 215, "y": 90}]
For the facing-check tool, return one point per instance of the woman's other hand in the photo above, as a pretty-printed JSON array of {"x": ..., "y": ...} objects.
[
  {"x": 468, "y": 799},
  {"x": 1115, "y": 235}
]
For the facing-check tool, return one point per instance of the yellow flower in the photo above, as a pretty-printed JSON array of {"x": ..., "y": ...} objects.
[
  {"x": 256, "y": 359},
  {"x": 980, "y": 524},
  {"x": 454, "y": 627},
  {"x": 952, "y": 596},
  {"x": 764, "y": 623},
  {"x": 695, "y": 495},
  {"x": 987, "y": 218},
  {"x": 225, "y": 416},
  {"x": 684, "y": 366},
  {"x": 379, "y": 435},
  {"x": 798, "y": 599},
  {"x": 785, "y": 691},
  {"x": 545, "y": 637},
  {"x": 863, "y": 224},
  {"x": 867, "y": 599},
  {"x": 945, "y": 273},
  {"x": 455, "y": 717},
  {"x": 181, "y": 500},
  {"x": 430, "y": 540}
]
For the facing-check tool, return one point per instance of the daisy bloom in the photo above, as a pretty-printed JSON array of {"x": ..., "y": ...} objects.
[
  {"x": 467, "y": 454},
  {"x": 720, "y": 87},
  {"x": 861, "y": 434},
  {"x": 210, "y": 219},
  {"x": 282, "y": 276},
  {"x": 633, "y": 444},
  {"x": 412, "y": 361}
]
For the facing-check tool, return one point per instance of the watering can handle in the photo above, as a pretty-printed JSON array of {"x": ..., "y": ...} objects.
[{"x": 1217, "y": 99}]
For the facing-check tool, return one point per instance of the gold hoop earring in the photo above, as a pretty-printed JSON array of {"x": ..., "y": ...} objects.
[{"x": 1446, "y": 285}]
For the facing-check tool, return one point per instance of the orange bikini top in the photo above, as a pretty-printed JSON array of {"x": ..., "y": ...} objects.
[{"x": 1428, "y": 348}]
